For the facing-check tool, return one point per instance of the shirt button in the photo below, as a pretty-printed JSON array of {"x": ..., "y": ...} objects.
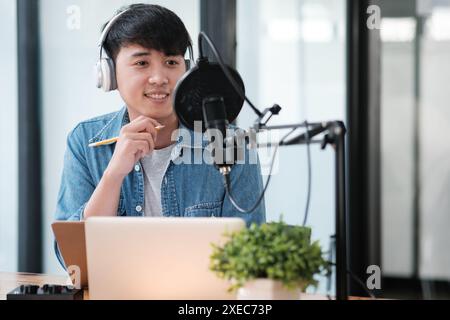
[
  {"x": 137, "y": 168},
  {"x": 138, "y": 208}
]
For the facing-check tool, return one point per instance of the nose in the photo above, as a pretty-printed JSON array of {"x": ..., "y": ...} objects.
[{"x": 158, "y": 77}]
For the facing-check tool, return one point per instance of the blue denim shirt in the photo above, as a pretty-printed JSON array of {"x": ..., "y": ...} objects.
[{"x": 187, "y": 190}]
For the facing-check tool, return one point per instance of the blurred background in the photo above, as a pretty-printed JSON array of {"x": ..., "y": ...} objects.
[{"x": 382, "y": 67}]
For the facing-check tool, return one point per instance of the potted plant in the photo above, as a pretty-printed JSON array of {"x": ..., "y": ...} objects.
[{"x": 270, "y": 261}]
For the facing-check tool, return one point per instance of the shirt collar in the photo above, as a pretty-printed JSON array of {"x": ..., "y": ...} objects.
[{"x": 112, "y": 127}]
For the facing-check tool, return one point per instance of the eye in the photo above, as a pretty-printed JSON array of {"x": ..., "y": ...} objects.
[
  {"x": 172, "y": 63},
  {"x": 141, "y": 63}
]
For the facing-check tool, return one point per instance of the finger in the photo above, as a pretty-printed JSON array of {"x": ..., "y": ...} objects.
[
  {"x": 141, "y": 149},
  {"x": 156, "y": 123},
  {"x": 140, "y": 124},
  {"x": 137, "y": 136},
  {"x": 138, "y": 156},
  {"x": 143, "y": 124},
  {"x": 150, "y": 128},
  {"x": 141, "y": 136}
]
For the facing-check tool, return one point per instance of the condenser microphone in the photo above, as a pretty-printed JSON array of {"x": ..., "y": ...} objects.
[
  {"x": 205, "y": 94},
  {"x": 199, "y": 87},
  {"x": 215, "y": 114}
]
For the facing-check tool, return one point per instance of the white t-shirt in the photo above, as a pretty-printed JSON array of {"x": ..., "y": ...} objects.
[{"x": 154, "y": 167}]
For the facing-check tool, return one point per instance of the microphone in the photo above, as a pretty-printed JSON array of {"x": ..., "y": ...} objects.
[
  {"x": 214, "y": 114},
  {"x": 214, "y": 94},
  {"x": 205, "y": 94},
  {"x": 202, "y": 82}
]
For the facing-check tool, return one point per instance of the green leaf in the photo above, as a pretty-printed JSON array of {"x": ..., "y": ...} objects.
[{"x": 273, "y": 250}]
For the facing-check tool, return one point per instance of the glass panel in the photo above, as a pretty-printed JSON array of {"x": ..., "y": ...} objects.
[
  {"x": 434, "y": 112},
  {"x": 414, "y": 115},
  {"x": 397, "y": 99},
  {"x": 294, "y": 55},
  {"x": 9, "y": 133}
]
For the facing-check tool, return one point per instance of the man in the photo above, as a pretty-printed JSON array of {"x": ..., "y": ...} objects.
[{"x": 139, "y": 175}]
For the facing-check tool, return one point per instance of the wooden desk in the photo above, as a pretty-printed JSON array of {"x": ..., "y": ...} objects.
[{"x": 10, "y": 281}]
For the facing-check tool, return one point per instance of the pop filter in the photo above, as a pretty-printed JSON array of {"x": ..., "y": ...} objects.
[{"x": 205, "y": 80}]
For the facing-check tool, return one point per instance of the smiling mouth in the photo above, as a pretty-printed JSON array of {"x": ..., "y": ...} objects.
[{"x": 157, "y": 96}]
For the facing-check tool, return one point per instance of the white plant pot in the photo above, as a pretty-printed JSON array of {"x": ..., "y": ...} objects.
[{"x": 266, "y": 289}]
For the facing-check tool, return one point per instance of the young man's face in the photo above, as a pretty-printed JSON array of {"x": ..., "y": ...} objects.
[{"x": 146, "y": 79}]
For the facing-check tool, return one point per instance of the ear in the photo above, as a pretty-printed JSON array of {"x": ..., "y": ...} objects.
[{"x": 188, "y": 64}]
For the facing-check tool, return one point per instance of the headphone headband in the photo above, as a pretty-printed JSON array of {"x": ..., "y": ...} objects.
[{"x": 109, "y": 26}]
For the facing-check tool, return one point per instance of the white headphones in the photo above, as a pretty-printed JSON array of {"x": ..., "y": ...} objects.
[{"x": 105, "y": 72}]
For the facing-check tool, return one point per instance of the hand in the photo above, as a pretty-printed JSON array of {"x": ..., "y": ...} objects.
[{"x": 136, "y": 140}]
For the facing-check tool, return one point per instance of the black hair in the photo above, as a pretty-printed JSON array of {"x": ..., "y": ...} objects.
[{"x": 150, "y": 26}]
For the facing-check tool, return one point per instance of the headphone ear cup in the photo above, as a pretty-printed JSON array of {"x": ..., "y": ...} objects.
[
  {"x": 112, "y": 75},
  {"x": 106, "y": 76},
  {"x": 98, "y": 75}
]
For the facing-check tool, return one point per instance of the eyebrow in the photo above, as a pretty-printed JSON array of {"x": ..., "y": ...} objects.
[
  {"x": 140, "y": 54},
  {"x": 147, "y": 53}
]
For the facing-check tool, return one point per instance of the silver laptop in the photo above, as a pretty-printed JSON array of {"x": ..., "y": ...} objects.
[{"x": 155, "y": 258}]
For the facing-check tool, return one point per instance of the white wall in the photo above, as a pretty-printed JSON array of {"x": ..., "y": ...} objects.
[
  {"x": 9, "y": 138},
  {"x": 68, "y": 91}
]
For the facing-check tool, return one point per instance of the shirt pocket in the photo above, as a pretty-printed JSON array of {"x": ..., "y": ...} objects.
[{"x": 205, "y": 209}]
